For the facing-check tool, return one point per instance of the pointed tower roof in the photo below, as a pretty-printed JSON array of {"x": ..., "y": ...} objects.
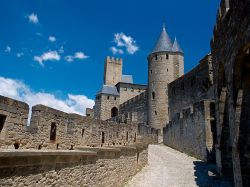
[
  {"x": 176, "y": 47},
  {"x": 164, "y": 42}
]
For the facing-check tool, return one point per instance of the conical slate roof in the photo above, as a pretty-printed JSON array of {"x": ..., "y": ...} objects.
[
  {"x": 164, "y": 42},
  {"x": 176, "y": 47}
]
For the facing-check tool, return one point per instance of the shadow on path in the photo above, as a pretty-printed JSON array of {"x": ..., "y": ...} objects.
[{"x": 206, "y": 176}]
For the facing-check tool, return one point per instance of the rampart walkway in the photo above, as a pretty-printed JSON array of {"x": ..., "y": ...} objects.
[{"x": 168, "y": 167}]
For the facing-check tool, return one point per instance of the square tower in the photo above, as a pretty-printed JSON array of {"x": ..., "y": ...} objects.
[{"x": 112, "y": 71}]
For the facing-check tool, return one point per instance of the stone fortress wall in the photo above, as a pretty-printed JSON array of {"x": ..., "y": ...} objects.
[
  {"x": 58, "y": 148},
  {"x": 128, "y": 91},
  {"x": 137, "y": 106},
  {"x": 230, "y": 47},
  {"x": 191, "y": 110}
]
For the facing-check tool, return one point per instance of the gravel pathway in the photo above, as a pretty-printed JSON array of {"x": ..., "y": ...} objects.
[{"x": 168, "y": 167}]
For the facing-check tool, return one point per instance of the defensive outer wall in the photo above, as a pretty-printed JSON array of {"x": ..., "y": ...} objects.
[{"x": 64, "y": 149}]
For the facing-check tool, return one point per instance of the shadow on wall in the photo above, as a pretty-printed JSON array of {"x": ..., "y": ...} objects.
[{"x": 206, "y": 176}]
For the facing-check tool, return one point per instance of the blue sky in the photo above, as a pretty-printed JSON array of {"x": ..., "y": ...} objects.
[{"x": 58, "y": 47}]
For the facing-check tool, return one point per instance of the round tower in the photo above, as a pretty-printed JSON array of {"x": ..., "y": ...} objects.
[{"x": 165, "y": 64}]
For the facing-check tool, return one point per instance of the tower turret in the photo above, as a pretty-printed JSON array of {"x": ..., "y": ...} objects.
[{"x": 165, "y": 64}]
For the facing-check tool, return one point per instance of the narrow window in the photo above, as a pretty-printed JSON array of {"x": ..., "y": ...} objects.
[
  {"x": 156, "y": 57},
  {"x": 155, "y": 112},
  {"x": 53, "y": 132},
  {"x": 39, "y": 147},
  {"x": 127, "y": 137},
  {"x": 2, "y": 121},
  {"x": 16, "y": 145},
  {"x": 167, "y": 70},
  {"x": 83, "y": 132},
  {"x": 103, "y": 138},
  {"x": 135, "y": 138},
  {"x": 151, "y": 71},
  {"x": 167, "y": 56},
  {"x": 108, "y": 97},
  {"x": 153, "y": 95},
  {"x": 114, "y": 98}
]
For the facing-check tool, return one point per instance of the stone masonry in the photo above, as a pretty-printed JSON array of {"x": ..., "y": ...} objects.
[
  {"x": 61, "y": 149},
  {"x": 191, "y": 112},
  {"x": 230, "y": 48}
]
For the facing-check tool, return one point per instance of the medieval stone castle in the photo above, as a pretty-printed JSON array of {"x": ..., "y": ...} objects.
[{"x": 203, "y": 113}]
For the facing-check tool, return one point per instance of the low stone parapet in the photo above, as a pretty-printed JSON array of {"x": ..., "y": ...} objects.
[{"x": 85, "y": 166}]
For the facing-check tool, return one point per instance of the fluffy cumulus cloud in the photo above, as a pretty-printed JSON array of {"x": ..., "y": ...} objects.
[
  {"x": 7, "y": 49},
  {"x": 52, "y": 38},
  {"x": 77, "y": 55},
  {"x": 47, "y": 56},
  {"x": 127, "y": 42},
  {"x": 17, "y": 89},
  {"x": 115, "y": 50},
  {"x": 33, "y": 18}
]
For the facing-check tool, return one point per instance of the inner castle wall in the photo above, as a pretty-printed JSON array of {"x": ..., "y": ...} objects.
[{"x": 191, "y": 111}]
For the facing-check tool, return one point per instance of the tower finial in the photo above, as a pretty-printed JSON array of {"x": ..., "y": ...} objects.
[{"x": 163, "y": 24}]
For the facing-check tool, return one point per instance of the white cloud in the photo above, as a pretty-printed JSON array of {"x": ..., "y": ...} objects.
[
  {"x": 52, "y": 38},
  {"x": 115, "y": 50},
  {"x": 7, "y": 49},
  {"x": 33, "y": 18},
  {"x": 19, "y": 55},
  {"x": 128, "y": 42},
  {"x": 77, "y": 55},
  {"x": 47, "y": 56},
  {"x": 17, "y": 89},
  {"x": 80, "y": 55}
]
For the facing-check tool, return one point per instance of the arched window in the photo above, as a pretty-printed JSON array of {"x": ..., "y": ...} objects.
[
  {"x": 114, "y": 112},
  {"x": 153, "y": 95}
]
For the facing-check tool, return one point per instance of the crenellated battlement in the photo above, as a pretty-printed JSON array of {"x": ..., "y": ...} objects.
[
  {"x": 53, "y": 129},
  {"x": 221, "y": 14},
  {"x": 190, "y": 130},
  {"x": 113, "y": 60}
]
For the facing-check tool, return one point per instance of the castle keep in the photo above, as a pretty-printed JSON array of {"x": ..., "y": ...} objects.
[{"x": 203, "y": 113}]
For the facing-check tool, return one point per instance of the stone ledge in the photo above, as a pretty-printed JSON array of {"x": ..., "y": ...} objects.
[
  {"x": 36, "y": 158},
  {"x": 27, "y": 153}
]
